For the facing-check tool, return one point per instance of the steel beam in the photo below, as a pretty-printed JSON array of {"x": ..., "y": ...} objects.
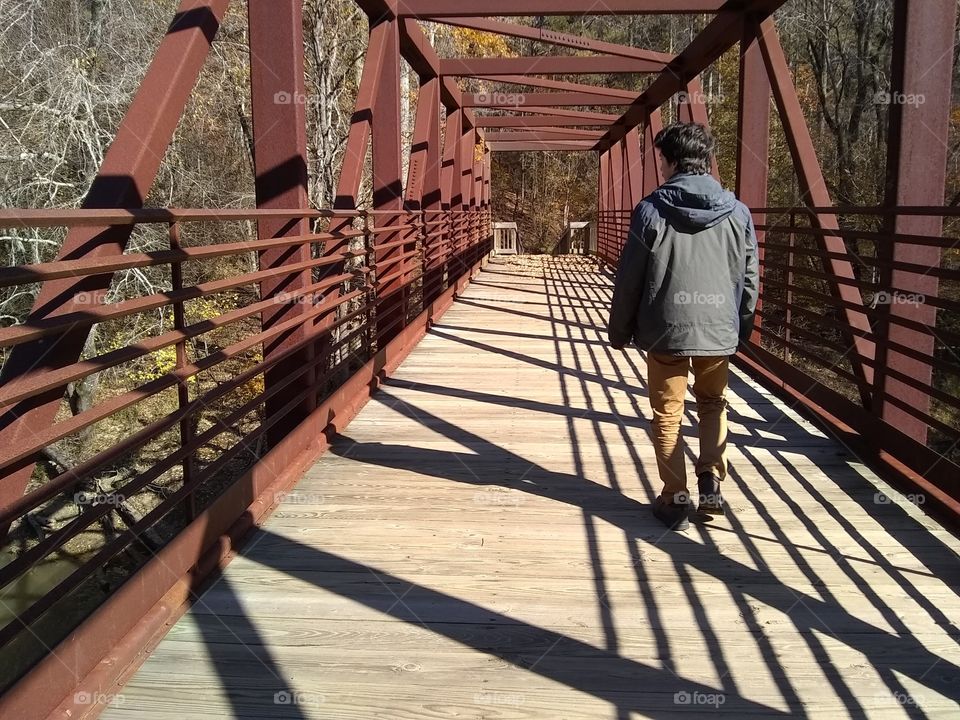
[
  {"x": 814, "y": 192},
  {"x": 542, "y": 135},
  {"x": 634, "y": 166},
  {"x": 617, "y": 176},
  {"x": 613, "y": 201},
  {"x": 387, "y": 183},
  {"x": 753, "y": 132},
  {"x": 604, "y": 118},
  {"x": 534, "y": 121},
  {"x": 280, "y": 163},
  {"x": 419, "y": 53},
  {"x": 385, "y": 125},
  {"x": 450, "y": 168},
  {"x": 554, "y": 131},
  {"x": 128, "y": 171},
  {"x": 486, "y": 100},
  {"x": 517, "y": 8},
  {"x": 626, "y": 192},
  {"x": 558, "y": 146},
  {"x": 358, "y": 137},
  {"x": 548, "y": 65},
  {"x": 692, "y": 108},
  {"x": 423, "y": 181},
  {"x": 918, "y": 141},
  {"x": 576, "y": 42},
  {"x": 652, "y": 177},
  {"x": 423, "y": 170},
  {"x": 530, "y": 81},
  {"x": 487, "y": 174},
  {"x": 603, "y": 235},
  {"x": 603, "y": 181},
  {"x": 468, "y": 144},
  {"x": 715, "y": 39}
]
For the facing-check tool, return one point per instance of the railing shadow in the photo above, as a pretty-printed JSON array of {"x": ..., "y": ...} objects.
[{"x": 603, "y": 671}]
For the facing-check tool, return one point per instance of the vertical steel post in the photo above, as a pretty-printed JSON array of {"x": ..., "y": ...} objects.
[
  {"x": 450, "y": 188},
  {"x": 423, "y": 180},
  {"x": 789, "y": 294},
  {"x": 692, "y": 108},
  {"x": 652, "y": 177},
  {"x": 604, "y": 248},
  {"x": 278, "y": 97},
  {"x": 126, "y": 176},
  {"x": 634, "y": 160},
  {"x": 388, "y": 185},
  {"x": 616, "y": 176},
  {"x": 919, "y": 111},
  {"x": 814, "y": 193},
  {"x": 626, "y": 191},
  {"x": 465, "y": 185},
  {"x": 753, "y": 131},
  {"x": 187, "y": 422}
]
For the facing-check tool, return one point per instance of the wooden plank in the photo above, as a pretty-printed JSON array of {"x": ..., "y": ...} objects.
[{"x": 479, "y": 544}]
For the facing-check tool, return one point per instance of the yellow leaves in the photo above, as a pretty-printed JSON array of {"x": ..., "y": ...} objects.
[
  {"x": 85, "y": 62},
  {"x": 156, "y": 365},
  {"x": 207, "y": 308},
  {"x": 805, "y": 82},
  {"x": 478, "y": 150},
  {"x": 475, "y": 43},
  {"x": 955, "y": 117}
]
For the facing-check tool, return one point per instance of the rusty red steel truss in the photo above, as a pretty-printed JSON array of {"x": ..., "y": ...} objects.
[{"x": 338, "y": 296}]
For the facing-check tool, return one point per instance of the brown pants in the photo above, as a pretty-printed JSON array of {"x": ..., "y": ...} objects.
[{"x": 667, "y": 379}]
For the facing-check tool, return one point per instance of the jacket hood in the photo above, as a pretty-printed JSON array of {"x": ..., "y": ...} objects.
[{"x": 692, "y": 200}]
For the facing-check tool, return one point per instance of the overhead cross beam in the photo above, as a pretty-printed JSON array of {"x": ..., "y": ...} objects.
[
  {"x": 419, "y": 53},
  {"x": 626, "y": 95},
  {"x": 534, "y": 121},
  {"x": 591, "y": 117},
  {"x": 722, "y": 33},
  {"x": 548, "y": 65},
  {"x": 519, "y": 8},
  {"x": 504, "y": 101},
  {"x": 534, "y": 145},
  {"x": 548, "y": 135},
  {"x": 551, "y": 37}
]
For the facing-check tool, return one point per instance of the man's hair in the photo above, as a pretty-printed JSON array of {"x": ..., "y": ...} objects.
[{"x": 686, "y": 145}]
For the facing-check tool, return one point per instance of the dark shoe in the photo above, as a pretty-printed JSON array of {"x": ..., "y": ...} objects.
[
  {"x": 711, "y": 501},
  {"x": 675, "y": 516}
]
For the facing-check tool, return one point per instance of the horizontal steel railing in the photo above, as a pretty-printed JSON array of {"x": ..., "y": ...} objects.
[
  {"x": 179, "y": 399},
  {"x": 877, "y": 346}
]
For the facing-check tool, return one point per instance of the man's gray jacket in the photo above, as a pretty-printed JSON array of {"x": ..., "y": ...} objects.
[{"x": 688, "y": 276}]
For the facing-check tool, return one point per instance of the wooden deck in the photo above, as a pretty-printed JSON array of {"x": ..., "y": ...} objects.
[{"x": 479, "y": 544}]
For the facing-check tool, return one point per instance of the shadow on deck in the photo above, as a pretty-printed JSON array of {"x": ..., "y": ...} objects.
[{"x": 479, "y": 544}]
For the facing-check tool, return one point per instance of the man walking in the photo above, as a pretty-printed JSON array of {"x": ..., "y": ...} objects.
[{"x": 685, "y": 293}]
